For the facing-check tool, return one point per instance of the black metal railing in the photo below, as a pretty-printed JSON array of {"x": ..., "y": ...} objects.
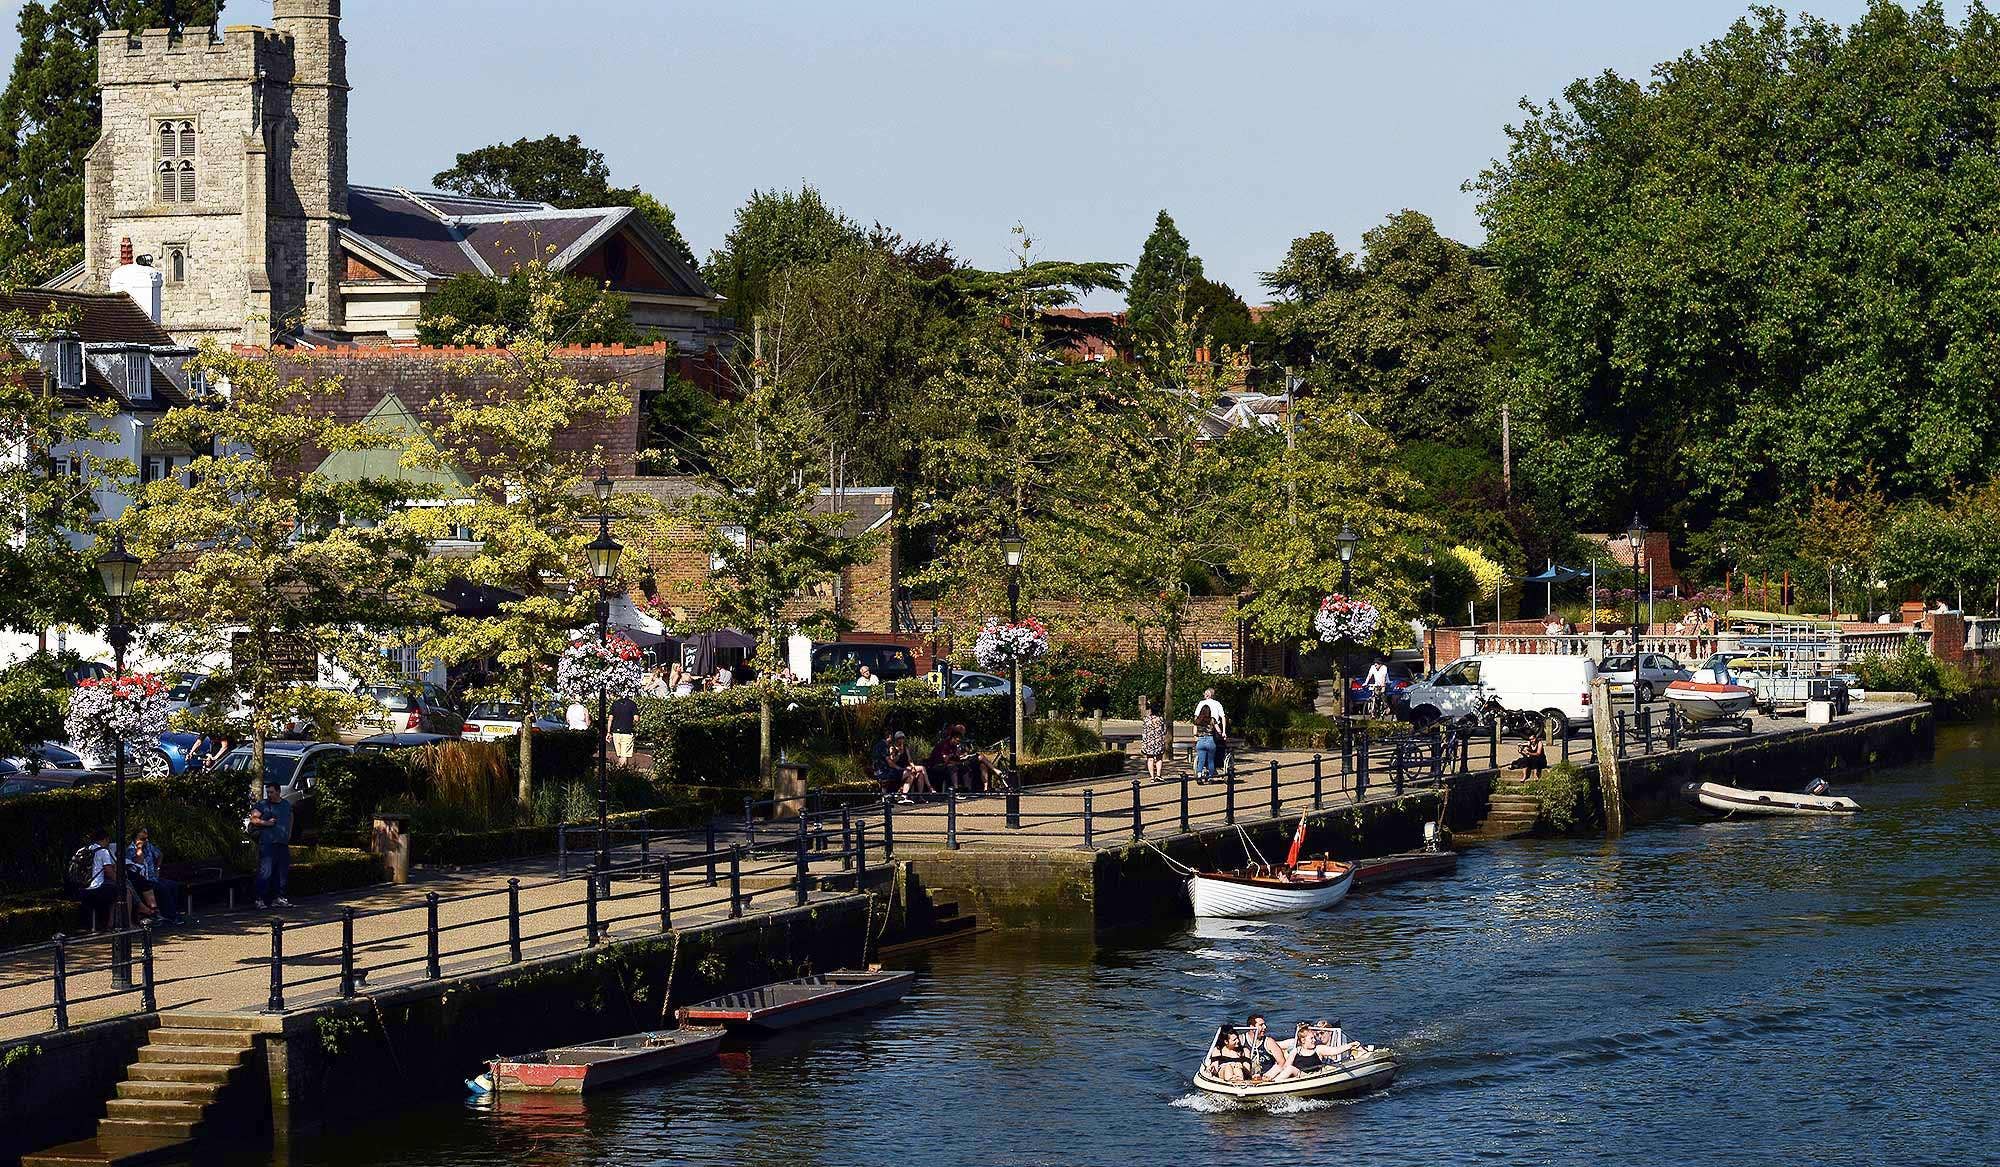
[{"x": 97, "y": 960}]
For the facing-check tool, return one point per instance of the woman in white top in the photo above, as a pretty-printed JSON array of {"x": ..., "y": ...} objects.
[{"x": 577, "y": 715}]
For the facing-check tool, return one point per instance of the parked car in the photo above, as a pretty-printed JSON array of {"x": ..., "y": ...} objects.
[
  {"x": 1556, "y": 687},
  {"x": 39, "y": 781},
  {"x": 989, "y": 685},
  {"x": 292, "y": 766},
  {"x": 407, "y": 709},
  {"x": 1402, "y": 674},
  {"x": 1651, "y": 673},
  {"x": 181, "y": 694},
  {"x": 891, "y": 662},
  {"x": 492, "y": 721},
  {"x": 397, "y": 741}
]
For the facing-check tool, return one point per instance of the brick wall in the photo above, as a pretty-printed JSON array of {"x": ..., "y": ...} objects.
[
  {"x": 676, "y": 566},
  {"x": 419, "y": 377}
]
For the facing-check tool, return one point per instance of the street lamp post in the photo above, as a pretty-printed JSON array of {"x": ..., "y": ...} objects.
[
  {"x": 1344, "y": 543},
  {"x": 1014, "y": 548},
  {"x": 603, "y": 554},
  {"x": 1430, "y": 605},
  {"x": 120, "y": 572},
  {"x": 1635, "y": 537}
]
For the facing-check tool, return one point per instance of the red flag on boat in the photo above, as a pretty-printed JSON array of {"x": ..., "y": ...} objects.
[{"x": 1298, "y": 843}]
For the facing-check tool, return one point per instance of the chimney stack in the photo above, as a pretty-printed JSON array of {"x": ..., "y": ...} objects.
[{"x": 125, "y": 250}]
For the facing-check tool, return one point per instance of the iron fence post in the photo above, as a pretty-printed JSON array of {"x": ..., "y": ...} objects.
[
  {"x": 711, "y": 852},
  {"x": 1493, "y": 745},
  {"x": 1229, "y": 792},
  {"x": 1138, "y": 813},
  {"x": 666, "y": 895},
  {"x": 799, "y": 890},
  {"x": 1361, "y": 771},
  {"x": 846, "y": 839},
  {"x": 275, "y": 1002},
  {"x": 645, "y": 838},
  {"x": 1014, "y": 807},
  {"x": 1402, "y": 763},
  {"x": 148, "y": 1002},
  {"x": 1184, "y": 802},
  {"x": 1089, "y": 827},
  {"x": 514, "y": 921},
  {"x": 951, "y": 817},
  {"x": 1565, "y": 747},
  {"x": 562, "y": 849},
  {"x": 749, "y": 818},
  {"x": 432, "y": 967},
  {"x": 1275, "y": 800},
  {"x": 860, "y": 853},
  {"x": 1674, "y": 728},
  {"x": 60, "y": 976},
  {"x": 1620, "y": 747},
  {"x": 589, "y": 913},
  {"x": 736, "y": 881},
  {"x": 889, "y": 828},
  {"x": 347, "y": 952},
  {"x": 1319, "y": 782}
]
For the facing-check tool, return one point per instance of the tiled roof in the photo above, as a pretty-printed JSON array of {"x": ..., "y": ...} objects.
[{"x": 101, "y": 320}]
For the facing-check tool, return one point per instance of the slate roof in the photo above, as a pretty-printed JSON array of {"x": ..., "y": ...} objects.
[{"x": 437, "y": 236}]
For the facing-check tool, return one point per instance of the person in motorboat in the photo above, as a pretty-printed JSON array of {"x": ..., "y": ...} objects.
[
  {"x": 1267, "y": 1059},
  {"x": 1310, "y": 1052},
  {"x": 1226, "y": 1061}
]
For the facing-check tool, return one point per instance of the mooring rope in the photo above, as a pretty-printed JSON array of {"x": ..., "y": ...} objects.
[{"x": 1172, "y": 863}]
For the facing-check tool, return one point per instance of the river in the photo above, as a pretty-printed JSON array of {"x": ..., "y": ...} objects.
[{"x": 1699, "y": 992}]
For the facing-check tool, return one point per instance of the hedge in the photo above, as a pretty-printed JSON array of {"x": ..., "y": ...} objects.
[
  {"x": 525, "y": 842},
  {"x": 36, "y": 919},
  {"x": 1074, "y": 768},
  {"x": 190, "y": 820},
  {"x": 320, "y": 870},
  {"x": 722, "y": 751}
]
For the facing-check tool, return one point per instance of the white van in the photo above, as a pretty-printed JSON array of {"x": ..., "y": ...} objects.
[{"x": 1557, "y": 687}]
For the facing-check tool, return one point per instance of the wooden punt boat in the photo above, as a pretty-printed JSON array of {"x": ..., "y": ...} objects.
[
  {"x": 573, "y": 1069},
  {"x": 1269, "y": 891},
  {"x": 1716, "y": 796},
  {"x": 1408, "y": 865},
  {"x": 800, "y": 1002}
]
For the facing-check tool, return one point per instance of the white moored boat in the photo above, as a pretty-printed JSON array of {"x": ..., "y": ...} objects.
[
  {"x": 1716, "y": 796},
  {"x": 1271, "y": 889},
  {"x": 1700, "y": 701}
]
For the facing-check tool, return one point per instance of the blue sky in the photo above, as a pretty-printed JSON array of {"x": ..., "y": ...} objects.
[{"x": 1252, "y": 122}]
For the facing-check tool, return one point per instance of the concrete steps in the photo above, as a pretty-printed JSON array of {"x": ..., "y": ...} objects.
[{"x": 159, "y": 1108}]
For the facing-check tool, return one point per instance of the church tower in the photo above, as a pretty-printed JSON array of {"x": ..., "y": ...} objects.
[{"x": 224, "y": 157}]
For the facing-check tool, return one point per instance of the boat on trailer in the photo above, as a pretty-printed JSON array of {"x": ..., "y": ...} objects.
[
  {"x": 1265, "y": 889},
  {"x": 788, "y": 1004},
  {"x": 1358, "y": 1069},
  {"x": 1702, "y": 702},
  {"x": 1729, "y": 799},
  {"x": 573, "y": 1069}
]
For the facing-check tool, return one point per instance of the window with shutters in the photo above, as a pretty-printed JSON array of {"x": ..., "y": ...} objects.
[
  {"x": 176, "y": 161},
  {"x": 187, "y": 182},
  {"x": 169, "y": 187},
  {"x": 138, "y": 375}
]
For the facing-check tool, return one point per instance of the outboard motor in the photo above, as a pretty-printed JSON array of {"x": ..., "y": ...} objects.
[{"x": 1818, "y": 786}]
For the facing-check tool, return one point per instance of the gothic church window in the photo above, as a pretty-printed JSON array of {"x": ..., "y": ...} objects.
[
  {"x": 187, "y": 182},
  {"x": 176, "y": 162}
]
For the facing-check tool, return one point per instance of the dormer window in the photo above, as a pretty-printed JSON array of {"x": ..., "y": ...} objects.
[
  {"x": 138, "y": 374},
  {"x": 197, "y": 383},
  {"x": 64, "y": 362}
]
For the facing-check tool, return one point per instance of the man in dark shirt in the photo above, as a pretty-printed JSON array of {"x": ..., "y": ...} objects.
[
  {"x": 624, "y": 715},
  {"x": 271, "y": 819}
]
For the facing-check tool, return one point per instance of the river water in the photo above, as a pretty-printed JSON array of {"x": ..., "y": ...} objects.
[{"x": 1699, "y": 992}]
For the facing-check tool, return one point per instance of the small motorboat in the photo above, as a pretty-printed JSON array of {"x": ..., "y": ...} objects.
[
  {"x": 573, "y": 1069},
  {"x": 1703, "y": 701},
  {"x": 1359, "y": 1068},
  {"x": 1728, "y": 799},
  {"x": 787, "y": 1004},
  {"x": 1265, "y": 889}
]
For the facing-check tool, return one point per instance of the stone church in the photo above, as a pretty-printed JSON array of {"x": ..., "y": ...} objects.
[{"x": 223, "y": 157}]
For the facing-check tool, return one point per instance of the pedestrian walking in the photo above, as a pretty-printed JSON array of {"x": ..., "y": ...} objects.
[
  {"x": 1153, "y": 744},
  {"x": 271, "y": 819},
  {"x": 624, "y": 717}
]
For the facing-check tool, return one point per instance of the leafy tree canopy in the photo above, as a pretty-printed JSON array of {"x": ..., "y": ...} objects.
[
  {"x": 1767, "y": 268},
  {"x": 581, "y": 312},
  {"x": 562, "y": 172},
  {"x": 1165, "y": 266},
  {"x": 776, "y": 230},
  {"x": 49, "y": 118}
]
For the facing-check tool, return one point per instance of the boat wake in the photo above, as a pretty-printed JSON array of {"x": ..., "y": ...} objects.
[{"x": 1202, "y": 1103}]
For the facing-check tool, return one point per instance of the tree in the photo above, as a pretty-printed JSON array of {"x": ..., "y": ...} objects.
[
  {"x": 1220, "y": 316},
  {"x": 774, "y": 231},
  {"x": 583, "y": 312},
  {"x": 49, "y": 118},
  {"x": 257, "y": 564},
  {"x": 562, "y": 172},
  {"x": 772, "y": 544},
  {"x": 524, "y": 503},
  {"x": 1704, "y": 311},
  {"x": 44, "y": 580},
  {"x": 1405, "y": 338},
  {"x": 1158, "y": 288},
  {"x": 1841, "y": 533}
]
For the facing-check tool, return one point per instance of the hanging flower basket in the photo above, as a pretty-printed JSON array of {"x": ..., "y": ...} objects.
[
  {"x": 588, "y": 667},
  {"x": 1002, "y": 645},
  {"x": 108, "y": 710},
  {"x": 1342, "y": 619}
]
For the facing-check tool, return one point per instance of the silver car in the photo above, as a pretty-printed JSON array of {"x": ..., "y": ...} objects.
[
  {"x": 1651, "y": 672},
  {"x": 988, "y": 685}
]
